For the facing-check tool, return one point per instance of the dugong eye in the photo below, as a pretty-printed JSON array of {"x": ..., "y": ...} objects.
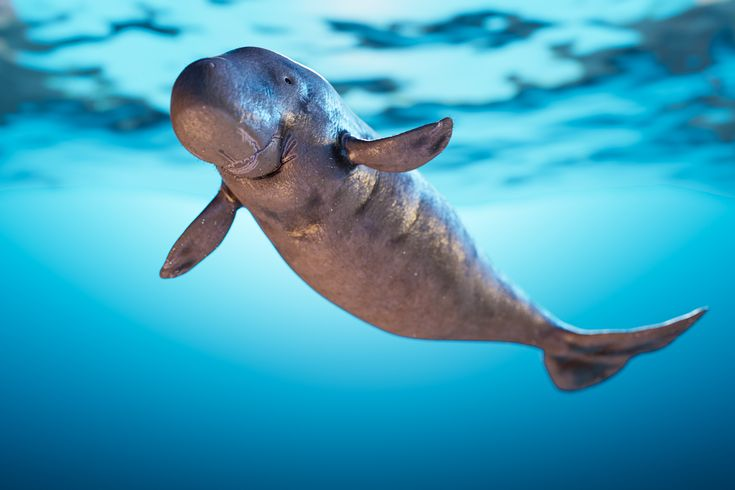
[{"x": 288, "y": 80}]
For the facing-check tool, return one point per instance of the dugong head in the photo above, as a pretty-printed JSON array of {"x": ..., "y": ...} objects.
[
  {"x": 240, "y": 111},
  {"x": 285, "y": 143},
  {"x": 233, "y": 110}
]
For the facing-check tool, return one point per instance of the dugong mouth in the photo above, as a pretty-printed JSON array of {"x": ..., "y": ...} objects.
[{"x": 263, "y": 162}]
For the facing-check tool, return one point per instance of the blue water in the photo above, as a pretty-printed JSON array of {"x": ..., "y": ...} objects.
[{"x": 593, "y": 161}]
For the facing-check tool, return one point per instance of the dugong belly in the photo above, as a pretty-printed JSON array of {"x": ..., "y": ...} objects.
[{"x": 389, "y": 249}]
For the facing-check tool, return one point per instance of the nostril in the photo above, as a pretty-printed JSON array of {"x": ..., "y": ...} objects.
[{"x": 207, "y": 65}]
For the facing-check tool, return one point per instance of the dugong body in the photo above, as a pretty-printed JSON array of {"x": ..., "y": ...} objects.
[{"x": 351, "y": 215}]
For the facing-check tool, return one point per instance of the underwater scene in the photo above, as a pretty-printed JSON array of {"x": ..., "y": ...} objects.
[{"x": 593, "y": 162}]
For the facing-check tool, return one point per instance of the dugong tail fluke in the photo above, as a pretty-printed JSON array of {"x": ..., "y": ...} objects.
[{"x": 585, "y": 358}]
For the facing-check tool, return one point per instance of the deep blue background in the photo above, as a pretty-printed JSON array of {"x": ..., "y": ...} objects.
[{"x": 607, "y": 195}]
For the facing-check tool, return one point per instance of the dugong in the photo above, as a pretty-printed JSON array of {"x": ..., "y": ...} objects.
[{"x": 351, "y": 215}]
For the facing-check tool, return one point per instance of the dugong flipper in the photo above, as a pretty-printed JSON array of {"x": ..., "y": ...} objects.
[
  {"x": 400, "y": 153},
  {"x": 352, "y": 217},
  {"x": 203, "y": 235}
]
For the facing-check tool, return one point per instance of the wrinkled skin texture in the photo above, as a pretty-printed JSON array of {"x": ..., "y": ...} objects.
[{"x": 347, "y": 212}]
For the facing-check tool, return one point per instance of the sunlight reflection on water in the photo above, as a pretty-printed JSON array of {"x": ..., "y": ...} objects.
[{"x": 536, "y": 93}]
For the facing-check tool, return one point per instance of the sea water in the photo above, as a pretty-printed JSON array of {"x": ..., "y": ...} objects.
[{"x": 592, "y": 160}]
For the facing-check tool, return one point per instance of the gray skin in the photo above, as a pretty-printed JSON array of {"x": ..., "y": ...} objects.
[{"x": 351, "y": 216}]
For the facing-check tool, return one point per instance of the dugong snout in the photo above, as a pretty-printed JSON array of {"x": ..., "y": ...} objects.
[{"x": 212, "y": 118}]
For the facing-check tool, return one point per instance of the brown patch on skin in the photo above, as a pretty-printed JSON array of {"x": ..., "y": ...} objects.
[{"x": 306, "y": 232}]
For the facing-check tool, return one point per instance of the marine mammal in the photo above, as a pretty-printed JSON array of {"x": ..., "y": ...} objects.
[{"x": 349, "y": 213}]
